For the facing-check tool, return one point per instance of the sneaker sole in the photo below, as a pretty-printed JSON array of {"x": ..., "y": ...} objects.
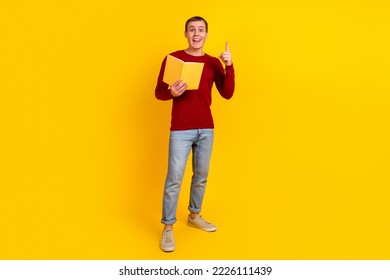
[{"x": 168, "y": 249}]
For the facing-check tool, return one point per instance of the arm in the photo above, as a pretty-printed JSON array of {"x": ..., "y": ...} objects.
[
  {"x": 162, "y": 92},
  {"x": 225, "y": 79}
]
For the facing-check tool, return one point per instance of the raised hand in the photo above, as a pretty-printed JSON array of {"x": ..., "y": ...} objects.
[{"x": 226, "y": 56}]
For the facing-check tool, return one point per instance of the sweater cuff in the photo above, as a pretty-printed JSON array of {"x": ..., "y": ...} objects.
[{"x": 230, "y": 66}]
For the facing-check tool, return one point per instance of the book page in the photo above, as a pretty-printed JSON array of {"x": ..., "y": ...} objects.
[
  {"x": 173, "y": 70},
  {"x": 191, "y": 74}
]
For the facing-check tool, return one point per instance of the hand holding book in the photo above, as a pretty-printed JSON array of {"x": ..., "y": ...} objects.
[{"x": 178, "y": 88}]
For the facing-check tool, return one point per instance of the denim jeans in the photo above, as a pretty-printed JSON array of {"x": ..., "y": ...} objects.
[{"x": 181, "y": 142}]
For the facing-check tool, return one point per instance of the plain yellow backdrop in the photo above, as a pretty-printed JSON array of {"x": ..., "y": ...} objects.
[{"x": 300, "y": 167}]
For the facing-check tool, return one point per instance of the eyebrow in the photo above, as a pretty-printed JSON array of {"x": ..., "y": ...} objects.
[{"x": 192, "y": 26}]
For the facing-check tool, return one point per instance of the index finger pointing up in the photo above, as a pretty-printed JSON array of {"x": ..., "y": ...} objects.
[{"x": 227, "y": 47}]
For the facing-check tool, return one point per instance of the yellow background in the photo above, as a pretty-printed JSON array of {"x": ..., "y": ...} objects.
[{"x": 300, "y": 167}]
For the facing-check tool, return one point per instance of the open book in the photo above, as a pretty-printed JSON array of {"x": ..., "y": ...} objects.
[{"x": 177, "y": 69}]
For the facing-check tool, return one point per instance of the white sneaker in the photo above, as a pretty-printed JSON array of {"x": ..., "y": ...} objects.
[
  {"x": 200, "y": 223},
  {"x": 167, "y": 243}
]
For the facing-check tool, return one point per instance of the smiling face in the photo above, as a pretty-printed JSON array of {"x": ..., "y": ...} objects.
[{"x": 196, "y": 35}]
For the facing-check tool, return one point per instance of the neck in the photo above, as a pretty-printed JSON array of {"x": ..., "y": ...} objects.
[{"x": 194, "y": 52}]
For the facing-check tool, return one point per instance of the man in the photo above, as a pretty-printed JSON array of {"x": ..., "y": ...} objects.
[{"x": 192, "y": 127}]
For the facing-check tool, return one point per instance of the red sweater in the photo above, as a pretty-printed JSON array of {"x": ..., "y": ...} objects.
[{"x": 192, "y": 110}]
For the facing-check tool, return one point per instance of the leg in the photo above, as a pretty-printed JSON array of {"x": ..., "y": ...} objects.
[
  {"x": 201, "y": 163},
  {"x": 180, "y": 143},
  {"x": 200, "y": 166}
]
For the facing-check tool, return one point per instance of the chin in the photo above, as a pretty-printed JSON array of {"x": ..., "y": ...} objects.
[{"x": 197, "y": 46}]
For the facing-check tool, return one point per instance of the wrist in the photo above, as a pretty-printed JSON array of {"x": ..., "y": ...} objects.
[{"x": 173, "y": 94}]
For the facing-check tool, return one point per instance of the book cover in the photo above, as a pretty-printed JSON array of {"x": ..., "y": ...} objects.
[{"x": 177, "y": 69}]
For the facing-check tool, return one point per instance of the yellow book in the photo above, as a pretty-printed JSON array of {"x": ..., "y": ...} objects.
[{"x": 177, "y": 69}]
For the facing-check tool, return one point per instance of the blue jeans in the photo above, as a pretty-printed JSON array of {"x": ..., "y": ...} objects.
[{"x": 181, "y": 142}]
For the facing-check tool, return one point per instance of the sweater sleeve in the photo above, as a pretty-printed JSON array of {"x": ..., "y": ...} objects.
[
  {"x": 162, "y": 91},
  {"x": 225, "y": 80}
]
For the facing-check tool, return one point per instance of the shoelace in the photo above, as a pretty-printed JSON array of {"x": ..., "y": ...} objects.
[
  {"x": 201, "y": 220},
  {"x": 167, "y": 236}
]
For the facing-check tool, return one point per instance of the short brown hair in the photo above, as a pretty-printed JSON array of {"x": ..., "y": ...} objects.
[{"x": 196, "y": 18}]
